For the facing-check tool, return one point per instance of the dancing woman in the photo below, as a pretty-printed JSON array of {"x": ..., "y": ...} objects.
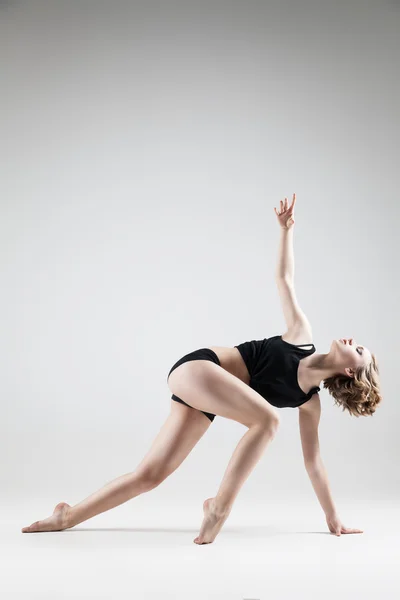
[{"x": 248, "y": 383}]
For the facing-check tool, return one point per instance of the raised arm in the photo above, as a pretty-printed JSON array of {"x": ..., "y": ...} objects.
[
  {"x": 284, "y": 275},
  {"x": 285, "y": 265}
]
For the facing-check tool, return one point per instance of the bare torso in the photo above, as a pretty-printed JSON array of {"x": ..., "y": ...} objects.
[{"x": 231, "y": 360}]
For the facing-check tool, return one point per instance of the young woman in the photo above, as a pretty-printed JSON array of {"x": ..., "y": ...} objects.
[{"x": 246, "y": 383}]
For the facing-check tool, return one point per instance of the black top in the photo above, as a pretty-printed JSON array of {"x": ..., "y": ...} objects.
[{"x": 272, "y": 364}]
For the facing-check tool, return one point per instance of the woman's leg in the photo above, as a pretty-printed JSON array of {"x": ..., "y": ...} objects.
[
  {"x": 208, "y": 387},
  {"x": 179, "y": 434},
  {"x": 245, "y": 457}
]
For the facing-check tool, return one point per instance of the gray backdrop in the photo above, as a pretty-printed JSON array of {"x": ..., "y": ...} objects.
[{"x": 144, "y": 146}]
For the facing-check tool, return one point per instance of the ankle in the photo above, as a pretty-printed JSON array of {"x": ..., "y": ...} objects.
[
  {"x": 220, "y": 507},
  {"x": 68, "y": 519}
]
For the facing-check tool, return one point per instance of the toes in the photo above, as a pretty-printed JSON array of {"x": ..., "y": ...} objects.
[
  {"x": 30, "y": 528},
  {"x": 201, "y": 541},
  {"x": 198, "y": 540}
]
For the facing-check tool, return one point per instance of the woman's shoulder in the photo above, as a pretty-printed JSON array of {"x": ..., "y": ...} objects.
[{"x": 301, "y": 335}]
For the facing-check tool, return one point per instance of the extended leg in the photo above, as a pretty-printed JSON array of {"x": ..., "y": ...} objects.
[{"x": 180, "y": 433}]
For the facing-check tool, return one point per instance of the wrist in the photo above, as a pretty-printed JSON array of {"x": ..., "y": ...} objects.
[{"x": 331, "y": 514}]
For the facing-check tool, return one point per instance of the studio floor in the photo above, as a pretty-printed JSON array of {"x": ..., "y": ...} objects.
[{"x": 284, "y": 554}]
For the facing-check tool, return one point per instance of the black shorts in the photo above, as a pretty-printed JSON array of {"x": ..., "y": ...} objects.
[{"x": 201, "y": 354}]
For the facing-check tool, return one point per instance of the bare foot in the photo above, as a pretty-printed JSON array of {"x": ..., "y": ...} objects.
[
  {"x": 57, "y": 522},
  {"x": 212, "y": 522}
]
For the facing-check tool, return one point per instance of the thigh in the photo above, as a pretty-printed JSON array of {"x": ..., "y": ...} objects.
[
  {"x": 208, "y": 387},
  {"x": 178, "y": 435}
]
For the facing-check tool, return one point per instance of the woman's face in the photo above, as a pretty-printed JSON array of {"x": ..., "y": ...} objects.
[{"x": 351, "y": 354}]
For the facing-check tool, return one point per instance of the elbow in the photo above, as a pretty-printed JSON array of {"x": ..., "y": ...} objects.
[{"x": 313, "y": 463}]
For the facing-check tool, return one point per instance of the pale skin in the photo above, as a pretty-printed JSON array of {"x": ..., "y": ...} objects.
[{"x": 206, "y": 386}]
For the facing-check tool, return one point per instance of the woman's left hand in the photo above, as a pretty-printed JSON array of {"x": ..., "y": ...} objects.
[{"x": 336, "y": 526}]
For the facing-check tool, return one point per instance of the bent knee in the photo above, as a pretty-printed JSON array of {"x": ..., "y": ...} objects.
[
  {"x": 151, "y": 477},
  {"x": 269, "y": 422}
]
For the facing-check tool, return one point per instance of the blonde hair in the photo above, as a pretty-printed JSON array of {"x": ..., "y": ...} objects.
[{"x": 359, "y": 395}]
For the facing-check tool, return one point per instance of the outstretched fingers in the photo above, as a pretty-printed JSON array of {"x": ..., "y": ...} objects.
[{"x": 350, "y": 530}]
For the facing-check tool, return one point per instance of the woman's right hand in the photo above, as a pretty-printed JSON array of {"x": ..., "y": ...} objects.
[{"x": 285, "y": 215}]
